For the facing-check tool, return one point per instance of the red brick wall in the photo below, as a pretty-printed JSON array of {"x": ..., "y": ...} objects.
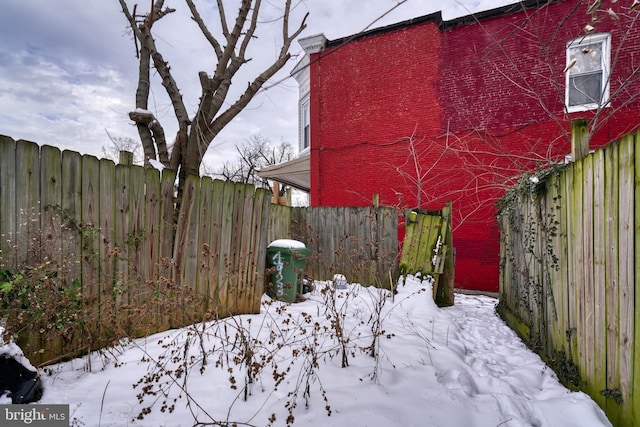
[
  {"x": 373, "y": 93},
  {"x": 472, "y": 97}
]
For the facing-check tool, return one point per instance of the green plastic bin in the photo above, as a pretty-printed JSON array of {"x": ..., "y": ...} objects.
[{"x": 288, "y": 257}]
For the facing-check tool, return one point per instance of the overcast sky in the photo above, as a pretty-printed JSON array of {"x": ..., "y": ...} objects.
[{"x": 68, "y": 69}]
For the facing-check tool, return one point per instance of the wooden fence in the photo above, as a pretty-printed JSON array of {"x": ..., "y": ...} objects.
[
  {"x": 358, "y": 242},
  {"x": 362, "y": 243},
  {"x": 113, "y": 229},
  {"x": 428, "y": 249},
  {"x": 569, "y": 284},
  {"x": 141, "y": 267}
]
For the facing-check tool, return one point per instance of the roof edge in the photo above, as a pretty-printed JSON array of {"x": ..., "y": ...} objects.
[
  {"x": 444, "y": 25},
  {"x": 432, "y": 17},
  {"x": 494, "y": 13}
]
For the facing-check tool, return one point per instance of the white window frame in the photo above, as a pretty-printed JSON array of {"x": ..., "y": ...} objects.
[
  {"x": 304, "y": 114},
  {"x": 605, "y": 60}
]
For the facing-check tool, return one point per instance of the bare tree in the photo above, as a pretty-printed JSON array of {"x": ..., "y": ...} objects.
[
  {"x": 196, "y": 133},
  {"x": 122, "y": 143},
  {"x": 254, "y": 153}
]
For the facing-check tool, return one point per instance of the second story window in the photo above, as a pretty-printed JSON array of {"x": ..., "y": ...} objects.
[
  {"x": 587, "y": 73},
  {"x": 305, "y": 122}
]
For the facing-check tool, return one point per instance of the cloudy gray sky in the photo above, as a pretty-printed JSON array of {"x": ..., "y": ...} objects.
[{"x": 68, "y": 68}]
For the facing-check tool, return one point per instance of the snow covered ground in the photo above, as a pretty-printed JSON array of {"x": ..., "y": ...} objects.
[{"x": 449, "y": 367}]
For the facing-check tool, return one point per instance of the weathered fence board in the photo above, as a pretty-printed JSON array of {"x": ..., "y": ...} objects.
[
  {"x": 245, "y": 228},
  {"x": 153, "y": 223},
  {"x": 51, "y": 196},
  {"x": 27, "y": 178},
  {"x": 611, "y": 208},
  {"x": 259, "y": 238},
  {"x": 625, "y": 262},
  {"x": 572, "y": 285},
  {"x": 561, "y": 298},
  {"x": 550, "y": 269},
  {"x": 7, "y": 192},
  {"x": 71, "y": 209},
  {"x": 636, "y": 232},
  {"x": 121, "y": 225},
  {"x": 206, "y": 222},
  {"x": 215, "y": 239},
  {"x": 224, "y": 266},
  {"x": 137, "y": 233},
  {"x": 580, "y": 312},
  {"x": 587, "y": 246},
  {"x": 599, "y": 284},
  {"x": 90, "y": 264}
]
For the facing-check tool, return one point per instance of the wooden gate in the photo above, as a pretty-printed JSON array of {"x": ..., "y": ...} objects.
[{"x": 428, "y": 249}]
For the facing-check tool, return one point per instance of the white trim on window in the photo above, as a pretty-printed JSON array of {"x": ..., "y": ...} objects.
[
  {"x": 304, "y": 118},
  {"x": 587, "y": 72}
]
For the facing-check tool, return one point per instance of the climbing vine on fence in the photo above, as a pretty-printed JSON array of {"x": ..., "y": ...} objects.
[{"x": 529, "y": 223}]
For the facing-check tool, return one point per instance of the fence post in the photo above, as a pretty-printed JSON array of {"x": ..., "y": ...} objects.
[
  {"x": 126, "y": 158},
  {"x": 445, "y": 295},
  {"x": 579, "y": 139}
]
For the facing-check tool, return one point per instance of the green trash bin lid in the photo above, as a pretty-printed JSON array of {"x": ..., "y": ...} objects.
[
  {"x": 286, "y": 244},
  {"x": 292, "y": 251}
]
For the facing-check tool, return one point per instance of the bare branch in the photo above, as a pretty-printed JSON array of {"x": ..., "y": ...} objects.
[
  {"x": 158, "y": 13},
  {"x": 253, "y": 88},
  {"x": 205, "y": 31},
  {"x": 130, "y": 18},
  {"x": 228, "y": 57},
  {"x": 251, "y": 30},
  {"x": 223, "y": 18}
]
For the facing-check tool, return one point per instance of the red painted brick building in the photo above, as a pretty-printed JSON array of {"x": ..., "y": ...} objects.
[{"x": 426, "y": 110}]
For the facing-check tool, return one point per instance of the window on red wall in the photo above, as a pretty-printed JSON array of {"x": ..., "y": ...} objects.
[{"x": 587, "y": 72}]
